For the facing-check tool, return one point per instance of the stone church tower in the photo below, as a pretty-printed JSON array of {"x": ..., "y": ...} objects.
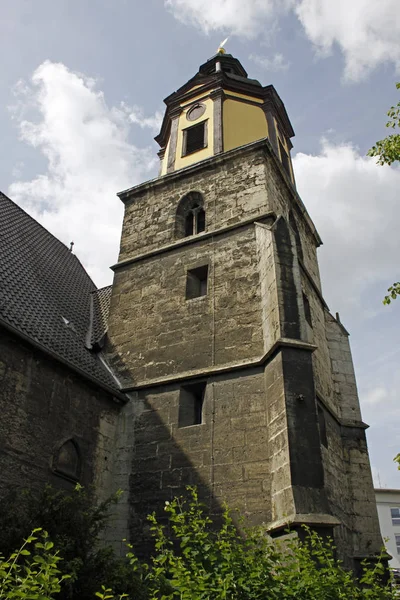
[{"x": 241, "y": 381}]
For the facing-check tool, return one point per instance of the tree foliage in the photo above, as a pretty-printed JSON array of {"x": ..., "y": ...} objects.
[{"x": 388, "y": 149}]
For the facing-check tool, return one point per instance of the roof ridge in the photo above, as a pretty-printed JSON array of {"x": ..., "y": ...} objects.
[{"x": 51, "y": 235}]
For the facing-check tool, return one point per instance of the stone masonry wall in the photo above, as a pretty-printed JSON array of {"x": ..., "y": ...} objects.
[
  {"x": 226, "y": 456},
  {"x": 158, "y": 332},
  {"x": 259, "y": 187},
  {"x": 260, "y": 444},
  {"x": 42, "y": 404}
]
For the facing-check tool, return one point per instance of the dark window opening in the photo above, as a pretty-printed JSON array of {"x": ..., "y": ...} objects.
[
  {"x": 191, "y": 400},
  {"x": 284, "y": 159},
  {"x": 68, "y": 462},
  {"x": 190, "y": 215},
  {"x": 307, "y": 310},
  {"x": 196, "y": 282},
  {"x": 200, "y": 221},
  {"x": 189, "y": 224},
  {"x": 322, "y": 425},
  {"x": 195, "y": 221},
  {"x": 194, "y": 138}
]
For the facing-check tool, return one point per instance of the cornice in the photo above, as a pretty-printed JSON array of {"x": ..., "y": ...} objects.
[
  {"x": 193, "y": 240},
  {"x": 213, "y": 371},
  {"x": 217, "y": 81},
  {"x": 211, "y": 163}
]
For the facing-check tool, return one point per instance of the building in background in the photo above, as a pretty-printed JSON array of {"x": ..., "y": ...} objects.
[{"x": 388, "y": 505}]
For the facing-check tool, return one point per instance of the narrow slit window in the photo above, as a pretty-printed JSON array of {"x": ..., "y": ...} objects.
[
  {"x": 189, "y": 223},
  {"x": 194, "y": 138},
  {"x": 200, "y": 220},
  {"x": 322, "y": 426},
  {"x": 196, "y": 282},
  {"x": 284, "y": 159},
  {"x": 307, "y": 310},
  {"x": 191, "y": 400}
]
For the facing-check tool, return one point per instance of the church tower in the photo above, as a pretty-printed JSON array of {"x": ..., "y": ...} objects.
[{"x": 241, "y": 380}]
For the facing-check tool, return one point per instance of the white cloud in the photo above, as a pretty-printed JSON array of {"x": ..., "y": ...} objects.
[
  {"x": 89, "y": 159},
  {"x": 376, "y": 395},
  {"x": 366, "y": 31},
  {"x": 136, "y": 116},
  {"x": 277, "y": 63},
  {"x": 247, "y": 19},
  {"x": 354, "y": 204}
]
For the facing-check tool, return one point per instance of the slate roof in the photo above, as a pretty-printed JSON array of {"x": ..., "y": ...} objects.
[
  {"x": 99, "y": 309},
  {"x": 45, "y": 293}
]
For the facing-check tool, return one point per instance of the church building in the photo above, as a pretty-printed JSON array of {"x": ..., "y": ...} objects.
[{"x": 213, "y": 359}]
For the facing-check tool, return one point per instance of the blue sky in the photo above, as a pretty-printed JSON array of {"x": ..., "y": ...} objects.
[{"x": 82, "y": 89}]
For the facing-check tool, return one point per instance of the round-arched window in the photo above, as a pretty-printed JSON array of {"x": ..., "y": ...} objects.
[
  {"x": 190, "y": 215},
  {"x": 68, "y": 460}
]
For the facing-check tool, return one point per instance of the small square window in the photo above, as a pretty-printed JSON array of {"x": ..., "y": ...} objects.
[
  {"x": 395, "y": 513},
  {"x": 196, "y": 282},
  {"x": 307, "y": 310},
  {"x": 191, "y": 399},
  {"x": 194, "y": 138}
]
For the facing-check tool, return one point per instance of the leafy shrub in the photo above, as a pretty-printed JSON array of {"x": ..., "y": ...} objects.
[
  {"x": 196, "y": 561},
  {"x": 31, "y": 573},
  {"x": 74, "y": 523}
]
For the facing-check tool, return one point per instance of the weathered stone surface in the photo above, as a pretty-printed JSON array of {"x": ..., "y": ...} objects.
[
  {"x": 263, "y": 342},
  {"x": 43, "y": 404}
]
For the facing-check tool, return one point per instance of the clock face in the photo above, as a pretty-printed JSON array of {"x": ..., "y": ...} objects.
[{"x": 195, "y": 111}]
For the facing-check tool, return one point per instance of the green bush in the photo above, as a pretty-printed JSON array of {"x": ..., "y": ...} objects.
[
  {"x": 74, "y": 523},
  {"x": 197, "y": 561},
  {"x": 31, "y": 573},
  {"x": 193, "y": 559}
]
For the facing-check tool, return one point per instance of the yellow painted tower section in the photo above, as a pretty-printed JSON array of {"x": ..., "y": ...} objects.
[
  {"x": 243, "y": 123},
  {"x": 220, "y": 109},
  {"x": 184, "y": 161}
]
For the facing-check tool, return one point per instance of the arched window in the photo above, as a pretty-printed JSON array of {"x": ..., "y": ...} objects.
[
  {"x": 68, "y": 460},
  {"x": 293, "y": 224},
  {"x": 190, "y": 215}
]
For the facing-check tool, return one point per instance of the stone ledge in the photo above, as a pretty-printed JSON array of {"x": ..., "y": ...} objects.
[
  {"x": 219, "y": 159},
  {"x": 296, "y": 520},
  {"x": 213, "y": 370},
  {"x": 193, "y": 240}
]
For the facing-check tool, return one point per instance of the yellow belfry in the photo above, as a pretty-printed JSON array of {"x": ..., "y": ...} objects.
[{"x": 220, "y": 109}]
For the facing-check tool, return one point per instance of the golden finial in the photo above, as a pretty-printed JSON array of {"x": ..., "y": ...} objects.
[{"x": 221, "y": 49}]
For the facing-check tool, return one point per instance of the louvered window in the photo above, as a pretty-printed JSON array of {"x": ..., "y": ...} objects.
[{"x": 194, "y": 138}]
